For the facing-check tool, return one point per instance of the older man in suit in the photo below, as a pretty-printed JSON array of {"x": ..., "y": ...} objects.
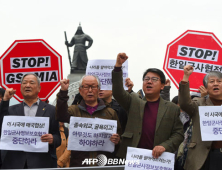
[
  {"x": 204, "y": 155},
  {"x": 31, "y": 106},
  {"x": 153, "y": 123}
]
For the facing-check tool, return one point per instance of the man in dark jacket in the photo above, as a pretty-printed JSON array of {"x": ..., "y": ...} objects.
[
  {"x": 31, "y": 106},
  {"x": 2, "y": 92},
  {"x": 106, "y": 95}
]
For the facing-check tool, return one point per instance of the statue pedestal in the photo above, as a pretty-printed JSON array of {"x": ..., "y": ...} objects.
[
  {"x": 74, "y": 77},
  {"x": 73, "y": 71}
]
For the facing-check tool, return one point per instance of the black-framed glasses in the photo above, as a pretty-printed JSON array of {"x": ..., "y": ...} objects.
[
  {"x": 94, "y": 87},
  {"x": 153, "y": 79}
]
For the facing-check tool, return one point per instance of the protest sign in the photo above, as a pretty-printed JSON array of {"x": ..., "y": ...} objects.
[
  {"x": 103, "y": 70},
  {"x": 211, "y": 123},
  {"x": 91, "y": 134},
  {"x": 31, "y": 56},
  {"x": 201, "y": 50},
  {"x": 23, "y": 133},
  {"x": 137, "y": 158}
]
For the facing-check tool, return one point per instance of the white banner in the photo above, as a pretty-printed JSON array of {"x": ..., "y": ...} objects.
[
  {"x": 23, "y": 133},
  {"x": 211, "y": 123},
  {"x": 137, "y": 158},
  {"x": 103, "y": 70},
  {"x": 91, "y": 134}
]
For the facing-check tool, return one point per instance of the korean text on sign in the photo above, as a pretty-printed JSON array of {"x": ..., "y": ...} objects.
[
  {"x": 103, "y": 70},
  {"x": 23, "y": 133},
  {"x": 197, "y": 66},
  {"x": 211, "y": 123},
  {"x": 137, "y": 158},
  {"x": 91, "y": 134}
]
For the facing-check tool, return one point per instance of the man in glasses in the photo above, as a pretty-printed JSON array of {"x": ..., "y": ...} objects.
[
  {"x": 91, "y": 106},
  {"x": 153, "y": 123}
]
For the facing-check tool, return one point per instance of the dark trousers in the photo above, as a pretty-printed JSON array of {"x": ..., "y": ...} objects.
[{"x": 214, "y": 160}]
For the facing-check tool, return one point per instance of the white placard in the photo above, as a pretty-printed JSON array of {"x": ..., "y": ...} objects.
[
  {"x": 23, "y": 133},
  {"x": 103, "y": 70},
  {"x": 137, "y": 158},
  {"x": 211, "y": 123},
  {"x": 91, "y": 134}
]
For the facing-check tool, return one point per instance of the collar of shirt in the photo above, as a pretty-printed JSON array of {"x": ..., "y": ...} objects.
[
  {"x": 91, "y": 109},
  {"x": 36, "y": 103},
  {"x": 31, "y": 111}
]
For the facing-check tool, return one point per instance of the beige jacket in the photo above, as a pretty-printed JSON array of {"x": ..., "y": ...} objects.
[{"x": 198, "y": 149}]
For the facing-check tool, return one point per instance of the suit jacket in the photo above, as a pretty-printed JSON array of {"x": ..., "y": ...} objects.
[
  {"x": 198, "y": 149},
  {"x": 168, "y": 131},
  {"x": 18, "y": 159}
]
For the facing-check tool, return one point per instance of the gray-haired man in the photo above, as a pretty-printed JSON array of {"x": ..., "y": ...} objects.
[
  {"x": 202, "y": 155},
  {"x": 91, "y": 106},
  {"x": 31, "y": 106}
]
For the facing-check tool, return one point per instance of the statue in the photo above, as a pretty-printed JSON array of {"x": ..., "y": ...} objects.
[{"x": 80, "y": 59}]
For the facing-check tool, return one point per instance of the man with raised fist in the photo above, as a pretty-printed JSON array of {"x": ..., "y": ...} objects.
[
  {"x": 204, "y": 155},
  {"x": 90, "y": 106},
  {"x": 153, "y": 123},
  {"x": 34, "y": 107}
]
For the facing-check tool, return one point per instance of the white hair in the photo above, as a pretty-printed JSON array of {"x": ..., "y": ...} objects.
[
  {"x": 97, "y": 79},
  {"x": 38, "y": 79},
  {"x": 211, "y": 74}
]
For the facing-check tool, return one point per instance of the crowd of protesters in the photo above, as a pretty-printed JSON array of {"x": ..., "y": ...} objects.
[{"x": 148, "y": 121}]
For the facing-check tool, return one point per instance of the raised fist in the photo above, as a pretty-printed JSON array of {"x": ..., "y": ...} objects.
[
  {"x": 9, "y": 93},
  {"x": 188, "y": 70},
  {"x": 64, "y": 84},
  {"x": 129, "y": 84},
  {"x": 121, "y": 58}
]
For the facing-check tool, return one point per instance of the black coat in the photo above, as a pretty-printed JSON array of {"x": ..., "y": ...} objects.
[
  {"x": 19, "y": 159},
  {"x": 121, "y": 113}
]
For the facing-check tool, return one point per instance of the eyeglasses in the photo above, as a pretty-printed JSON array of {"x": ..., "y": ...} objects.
[
  {"x": 88, "y": 87},
  {"x": 153, "y": 79}
]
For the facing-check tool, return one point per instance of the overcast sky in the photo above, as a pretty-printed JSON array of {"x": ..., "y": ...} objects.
[{"x": 140, "y": 28}]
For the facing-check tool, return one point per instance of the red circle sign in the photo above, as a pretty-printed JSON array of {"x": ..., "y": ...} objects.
[
  {"x": 202, "y": 50},
  {"x": 35, "y": 56}
]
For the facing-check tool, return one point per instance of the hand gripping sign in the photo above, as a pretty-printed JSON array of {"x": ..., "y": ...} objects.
[
  {"x": 34, "y": 56},
  {"x": 202, "y": 50}
]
